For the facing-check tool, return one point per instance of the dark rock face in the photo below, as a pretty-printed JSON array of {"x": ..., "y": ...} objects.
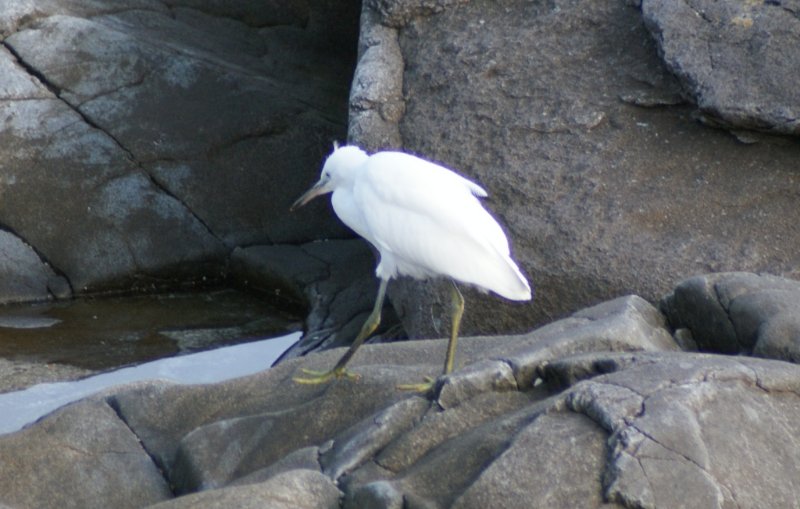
[
  {"x": 734, "y": 59},
  {"x": 594, "y": 163},
  {"x": 739, "y": 313},
  {"x": 143, "y": 142},
  {"x": 335, "y": 278},
  {"x": 601, "y": 409}
]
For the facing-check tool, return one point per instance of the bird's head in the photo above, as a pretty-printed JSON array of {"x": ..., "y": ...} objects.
[{"x": 338, "y": 170}]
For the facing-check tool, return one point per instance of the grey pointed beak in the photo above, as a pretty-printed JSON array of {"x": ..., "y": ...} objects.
[{"x": 316, "y": 190}]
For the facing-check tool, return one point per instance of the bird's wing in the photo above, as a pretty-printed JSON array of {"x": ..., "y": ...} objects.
[
  {"x": 418, "y": 187},
  {"x": 429, "y": 220},
  {"x": 474, "y": 188}
]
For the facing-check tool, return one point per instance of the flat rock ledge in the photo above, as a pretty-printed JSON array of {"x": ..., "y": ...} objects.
[{"x": 605, "y": 408}]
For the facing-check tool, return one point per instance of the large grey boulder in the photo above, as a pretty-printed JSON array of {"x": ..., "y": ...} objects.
[
  {"x": 684, "y": 420},
  {"x": 738, "y": 312},
  {"x": 735, "y": 60},
  {"x": 82, "y": 456},
  {"x": 600, "y": 409},
  {"x": 569, "y": 117},
  {"x": 144, "y": 141}
]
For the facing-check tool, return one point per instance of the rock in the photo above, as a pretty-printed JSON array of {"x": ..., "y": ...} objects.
[
  {"x": 450, "y": 467},
  {"x": 599, "y": 409},
  {"x": 334, "y": 279},
  {"x": 223, "y": 450},
  {"x": 553, "y": 461},
  {"x": 156, "y": 115},
  {"x": 82, "y": 456},
  {"x": 114, "y": 231},
  {"x": 686, "y": 430},
  {"x": 624, "y": 324},
  {"x": 739, "y": 313},
  {"x": 376, "y": 96},
  {"x": 125, "y": 130},
  {"x": 478, "y": 378},
  {"x": 376, "y": 495},
  {"x": 19, "y": 374},
  {"x": 24, "y": 276},
  {"x": 179, "y": 439},
  {"x": 296, "y": 489},
  {"x": 733, "y": 59},
  {"x": 712, "y": 329},
  {"x": 570, "y": 119},
  {"x": 362, "y": 441},
  {"x": 306, "y": 458}
]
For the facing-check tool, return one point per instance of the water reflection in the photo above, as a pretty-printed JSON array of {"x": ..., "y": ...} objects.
[
  {"x": 105, "y": 333},
  {"x": 227, "y": 327}
]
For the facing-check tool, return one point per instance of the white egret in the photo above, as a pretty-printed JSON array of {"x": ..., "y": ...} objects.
[{"x": 425, "y": 221}]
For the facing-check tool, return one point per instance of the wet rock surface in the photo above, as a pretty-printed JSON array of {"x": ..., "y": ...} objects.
[{"x": 601, "y": 409}]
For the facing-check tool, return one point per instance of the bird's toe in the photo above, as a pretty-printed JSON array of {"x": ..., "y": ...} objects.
[
  {"x": 320, "y": 377},
  {"x": 422, "y": 387}
]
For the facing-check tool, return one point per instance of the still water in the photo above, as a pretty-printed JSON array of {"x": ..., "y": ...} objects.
[
  {"x": 105, "y": 333},
  {"x": 200, "y": 337}
]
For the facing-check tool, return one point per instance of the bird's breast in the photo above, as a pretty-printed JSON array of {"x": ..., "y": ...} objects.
[{"x": 350, "y": 213}]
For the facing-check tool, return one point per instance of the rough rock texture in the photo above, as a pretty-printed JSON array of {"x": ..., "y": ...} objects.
[
  {"x": 739, "y": 313},
  {"x": 295, "y": 489},
  {"x": 23, "y": 275},
  {"x": 140, "y": 142},
  {"x": 82, "y": 456},
  {"x": 19, "y": 374},
  {"x": 736, "y": 60},
  {"x": 600, "y": 409},
  {"x": 594, "y": 162},
  {"x": 677, "y": 421}
]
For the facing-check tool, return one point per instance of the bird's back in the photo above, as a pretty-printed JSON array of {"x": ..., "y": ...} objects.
[{"x": 427, "y": 221}]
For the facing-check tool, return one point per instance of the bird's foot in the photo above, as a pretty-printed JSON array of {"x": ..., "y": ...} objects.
[
  {"x": 422, "y": 387},
  {"x": 321, "y": 377}
]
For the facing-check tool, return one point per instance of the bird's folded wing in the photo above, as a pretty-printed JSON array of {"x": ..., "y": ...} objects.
[{"x": 431, "y": 222}]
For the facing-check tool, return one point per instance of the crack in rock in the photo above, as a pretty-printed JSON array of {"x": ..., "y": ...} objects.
[
  {"x": 88, "y": 120},
  {"x": 113, "y": 404},
  {"x": 55, "y": 292}
]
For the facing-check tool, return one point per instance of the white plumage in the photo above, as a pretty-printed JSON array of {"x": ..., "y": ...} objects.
[{"x": 424, "y": 220}]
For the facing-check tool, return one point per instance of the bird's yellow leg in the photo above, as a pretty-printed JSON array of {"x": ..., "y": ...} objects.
[
  {"x": 456, "y": 312},
  {"x": 338, "y": 371}
]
